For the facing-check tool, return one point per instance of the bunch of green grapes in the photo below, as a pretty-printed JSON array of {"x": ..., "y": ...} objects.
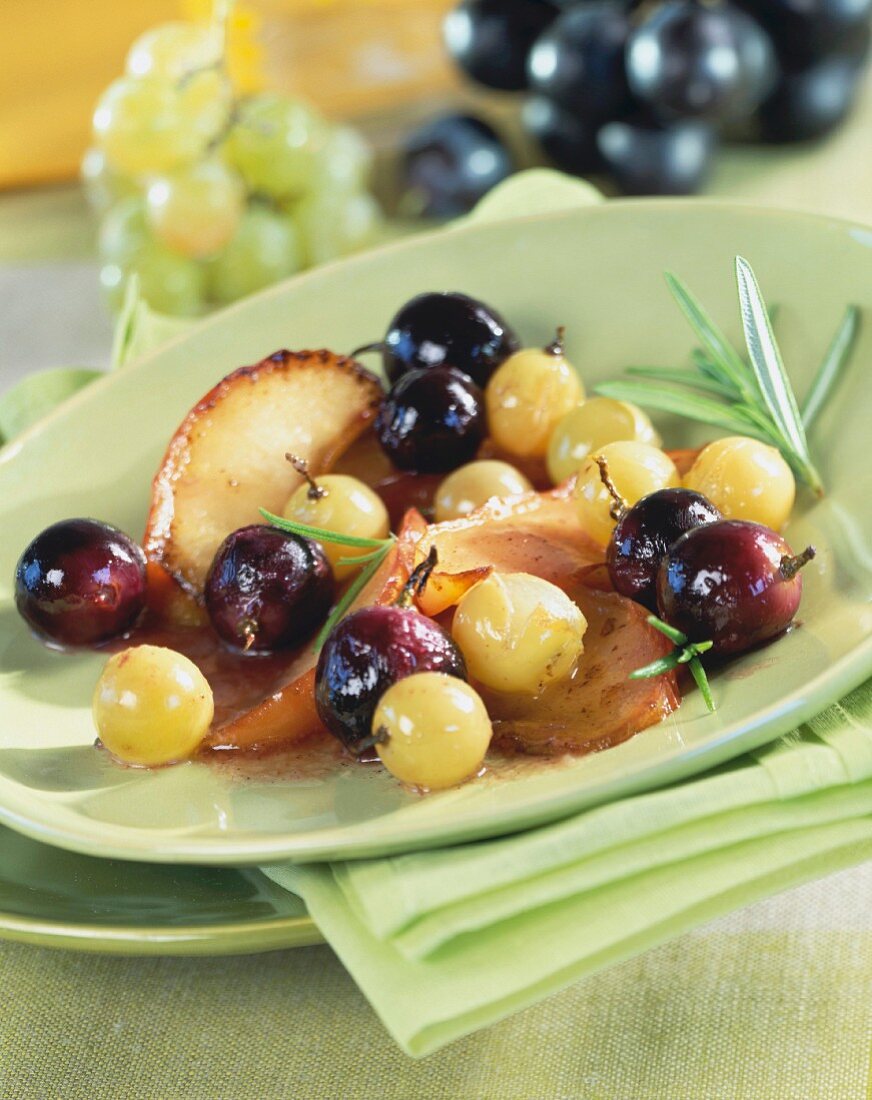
[{"x": 206, "y": 196}]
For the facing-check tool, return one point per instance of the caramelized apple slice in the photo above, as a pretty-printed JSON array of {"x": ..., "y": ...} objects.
[
  {"x": 227, "y": 459},
  {"x": 538, "y": 534},
  {"x": 600, "y": 705}
]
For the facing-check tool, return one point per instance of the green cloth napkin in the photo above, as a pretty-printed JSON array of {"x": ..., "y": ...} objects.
[{"x": 445, "y": 942}]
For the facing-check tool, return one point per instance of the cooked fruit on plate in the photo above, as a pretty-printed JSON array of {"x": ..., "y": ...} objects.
[{"x": 550, "y": 572}]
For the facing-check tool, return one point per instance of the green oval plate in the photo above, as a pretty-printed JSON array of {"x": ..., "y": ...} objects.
[
  {"x": 597, "y": 270},
  {"x": 56, "y": 898}
]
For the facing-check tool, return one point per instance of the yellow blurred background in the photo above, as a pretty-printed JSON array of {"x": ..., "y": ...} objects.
[{"x": 352, "y": 58}]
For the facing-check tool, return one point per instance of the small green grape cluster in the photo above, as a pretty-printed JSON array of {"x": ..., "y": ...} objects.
[{"x": 208, "y": 197}]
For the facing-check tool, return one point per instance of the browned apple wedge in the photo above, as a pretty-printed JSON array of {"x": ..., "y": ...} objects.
[{"x": 227, "y": 459}]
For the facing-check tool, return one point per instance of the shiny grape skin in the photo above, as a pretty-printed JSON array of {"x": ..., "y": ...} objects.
[
  {"x": 807, "y": 30},
  {"x": 579, "y": 61},
  {"x": 490, "y": 40},
  {"x": 723, "y": 582},
  {"x": 267, "y": 589},
  {"x": 365, "y": 654},
  {"x": 564, "y": 138},
  {"x": 80, "y": 582},
  {"x": 451, "y": 162},
  {"x": 432, "y": 421},
  {"x": 644, "y": 534},
  {"x": 646, "y": 158},
  {"x": 689, "y": 61},
  {"x": 810, "y": 103},
  {"x": 450, "y": 329}
]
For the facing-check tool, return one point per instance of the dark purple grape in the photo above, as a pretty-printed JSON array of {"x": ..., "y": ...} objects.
[
  {"x": 565, "y": 138},
  {"x": 648, "y": 158},
  {"x": 435, "y": 330},
  {"x": 432, "y": 420},
  {"x": 491, "y": 39},
  {"x": 448, "y": 164},
  {"x": 733, "y": 582},
  {"x": 365, "y": 654},
  {"x": 644, "y": 534},
  {"x": 806, "y": 30},
  {"x": 80, "y": 582},
  {"x": 687, "y": 60},
  {"x": 810, "y": 103},
  {"x": 267, "y": 589},
  {"x": 578, "y": 62}
]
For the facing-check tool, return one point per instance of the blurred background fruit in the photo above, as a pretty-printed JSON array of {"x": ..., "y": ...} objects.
[{"x": 260, "y": 137}]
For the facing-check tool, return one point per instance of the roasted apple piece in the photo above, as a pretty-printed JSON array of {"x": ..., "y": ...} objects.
[{"x": 227, "y": 459}]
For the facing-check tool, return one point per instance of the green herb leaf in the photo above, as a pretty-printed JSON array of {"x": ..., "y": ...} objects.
[
  {"x": 684, "y": 378},
  {"x": 685, "y": 653},
  {"x": 363, "y": 558},
  {"x": 658, "y": 667},
  {"x": 834, "y": 363},
  {"x": 698, "y": 673},
  {"x": 321, "y": 534},
  {"x": 682, "y": 403},
  {"x": 769, "y": 370},
  {"x": 350, "y": 595},
  {"x": 671, "y": 633},
  {"x": 720, "y": 350}
]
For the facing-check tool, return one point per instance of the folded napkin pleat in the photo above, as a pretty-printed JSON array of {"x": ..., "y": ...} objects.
[{"x": 447, "y": 941}]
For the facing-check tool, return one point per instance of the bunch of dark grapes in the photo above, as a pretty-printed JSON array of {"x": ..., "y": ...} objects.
[{"x": 643, "y": 93}]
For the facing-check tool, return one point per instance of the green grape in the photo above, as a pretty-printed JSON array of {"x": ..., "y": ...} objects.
[
  {"x": 174, "y": 49},
  {"x": 345, "y": 162},
  {"x": 333, "y": 224},
  {"x": 266, "y": 248},
  {"x": 275, "y": 145},
  {"x": 123, "y": 232},
  {"x": 102, "y": 186},
  {"x": 149, "y": 125},
  {"x": 169, "y": 283},
  {"x": 196, "y": 210}
]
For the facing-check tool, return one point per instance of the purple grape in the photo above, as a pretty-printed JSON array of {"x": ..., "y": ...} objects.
[
  {"x": 80, "y": 582},
  {"x": 810, "y": 103},
  {"x": 808, "y": 30},
  {"x": 451, "y": 162},
  {"x": 491, "y": 39},
  {"x": 733, "y": 582},
  {"x": 267, "y": 589},
  {"x": 578, "y": 62},
  {"x": 565, "y": 138},
  {"x": 648, "y": 158},
  {"x": 644, "y": 534},
  {"x": 451, "y": 329},
  {"x": 365, "y": 654},
  {"x": 686, "y": 60},
  {"x": 432, "y": 420}
]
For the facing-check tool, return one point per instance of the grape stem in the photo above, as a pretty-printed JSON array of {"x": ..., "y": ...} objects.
[
  {"x": 316, "y": 491},
  {"x": 619, "y": 505},
  {"x": 417, "y": 582},
  {"x": 557, "y": 346},
  {"x": 379, "y": 737},
  {"x": 367, "y": 349},
  {"x": 790, "y": 566}
]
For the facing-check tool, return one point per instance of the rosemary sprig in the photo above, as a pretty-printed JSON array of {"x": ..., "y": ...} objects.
[
  {"x": 752, "y": 397},
  {"x": 685, "y": 653},
  {"x": 379, "y": 549},
  {"x": 838, "y": 354}
]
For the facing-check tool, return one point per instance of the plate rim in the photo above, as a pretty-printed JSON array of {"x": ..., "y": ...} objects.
[
  {"x": 779, "y": 717},
  {"x": 221, "y": 938}
]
